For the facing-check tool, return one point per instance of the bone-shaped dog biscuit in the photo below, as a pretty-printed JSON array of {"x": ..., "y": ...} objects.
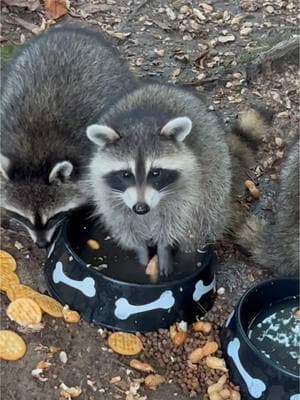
[
  {"x": 124, "y": 309},
  {"x": 201, "y": 289},
  {"x": 86, "y": 286},
  {"x": 255, "y": 386}
]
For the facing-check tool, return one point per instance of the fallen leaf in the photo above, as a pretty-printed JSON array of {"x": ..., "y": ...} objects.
[
  {"x": 170, "y": 13},
  {"x": 56, "y": 8},
  {"x": 69, "y": 392},
  {"x": 115, "y": 379},
  {"x": 36, "y": 373},
  {"x": 226, "y": 39},
  {"x": 119, "y": 35},
  {"x": 90, "y": 9},
  {"x": 32, "y": 5},
  {"x": 245, "y": 31}
]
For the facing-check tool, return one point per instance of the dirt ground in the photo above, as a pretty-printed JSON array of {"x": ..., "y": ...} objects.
[{"x": 210, "y": 48}]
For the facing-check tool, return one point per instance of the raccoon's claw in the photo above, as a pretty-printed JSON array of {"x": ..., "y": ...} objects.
[
  {"x": 143, "y": 255},
  {"x": 165, "y": 260}
]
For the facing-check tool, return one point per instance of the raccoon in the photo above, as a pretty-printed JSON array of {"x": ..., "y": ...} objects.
[
  {"x": 161, "y": 172},
  {"x": 51, "y": 89},
  {"x": 275, "y": 245},
  {"x": 243, "y": 141}
]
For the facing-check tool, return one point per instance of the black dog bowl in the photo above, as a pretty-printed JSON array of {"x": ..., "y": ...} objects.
[
  {"x": 110, "y": 288},
  {"x": 261, "y": 341}
]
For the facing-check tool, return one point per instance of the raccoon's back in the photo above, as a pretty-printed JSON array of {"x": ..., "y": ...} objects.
[{"x": 56, "y": 86}]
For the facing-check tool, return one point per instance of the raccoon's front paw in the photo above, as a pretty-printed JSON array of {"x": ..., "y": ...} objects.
[
  {"x": 165, "y": 260},
  {"x": 143, "y": 255}
]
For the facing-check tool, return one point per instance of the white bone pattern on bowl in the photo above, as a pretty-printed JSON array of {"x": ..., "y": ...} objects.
[
  {"x": 86, "y": 286},
  {"x": 295, "y": 396},
  {"x": 201, "y": 289},
  {"x": 255, "y": 386},
  {"x": 124, "y": 309}
]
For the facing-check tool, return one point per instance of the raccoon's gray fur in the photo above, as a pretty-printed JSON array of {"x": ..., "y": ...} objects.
[
  {"x": 276, "y": 245},
  {"x": 243, "y": 141},
  {"x": 51, "y": 89},
  {"x": 154, "y": 129}
]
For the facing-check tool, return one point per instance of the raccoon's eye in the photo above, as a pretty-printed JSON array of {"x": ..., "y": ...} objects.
[
  {"x": 126, "y": 174},
  {"x": 155, "y": 173}
]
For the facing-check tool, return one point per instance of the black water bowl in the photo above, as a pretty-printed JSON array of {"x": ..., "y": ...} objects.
[
  {"x": 110, "y": 288},
  {"x": 261, "y": 341}
]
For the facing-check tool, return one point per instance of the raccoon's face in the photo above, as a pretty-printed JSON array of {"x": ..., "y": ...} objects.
[
  {"x": 40, "y": 205},
  {"x": 143, "y": 164}
]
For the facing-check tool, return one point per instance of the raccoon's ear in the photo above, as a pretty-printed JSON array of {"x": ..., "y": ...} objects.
[
  {"x": 177, "y": 128},
  {"x": 4, "y": 166},
  {"x": 101, "y": 134},
  {"x": 61, "y": 172}
]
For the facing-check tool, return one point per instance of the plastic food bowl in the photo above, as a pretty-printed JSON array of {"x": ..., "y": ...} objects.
[
  {"x": 265, "y": 316},
  {"x": 110, "y": 288}
]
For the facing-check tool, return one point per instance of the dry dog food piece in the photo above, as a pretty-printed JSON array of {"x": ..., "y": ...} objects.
[
  {"x": 235, "y": 395},
  {"x": 152, "y": 269},
  {"x": 201, "y": 352},
  {"x": 217, "y": 387},
  {"x": 16, "y": 291},
  {"x": 152, "y": 381},
  {"x": 24, "y": 311},
  {"x": 49, "y": 305},
  {"x": 93, "y": 244},
  {"x": 297, "y": 313},
  {"x": 225, "y": 394},
  {"x": 7, "y": 261},
  {"x": 201, "y": 326},
  {"x": 216, "y": 363},
  {"x": 178, "y": 337},
  {"x": 215, "y": 396},
  {"x": 12, "y": 346},
  {"x": 7, "y": 278},
  {"x": 141, "y": 366},
  {"x": 70, "y": 316},
  {"x": 252, "y": 189},
  {"x": 126, "y": 344}
]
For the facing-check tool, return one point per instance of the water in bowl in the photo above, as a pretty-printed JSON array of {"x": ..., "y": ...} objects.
[{"x": 276, "y": 333}]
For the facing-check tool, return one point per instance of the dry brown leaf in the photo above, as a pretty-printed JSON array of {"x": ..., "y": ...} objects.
[
  {"x": 115, "y": 379},
  {"x": 55, "y": 8},
  {"x": 69, "y": 392}
]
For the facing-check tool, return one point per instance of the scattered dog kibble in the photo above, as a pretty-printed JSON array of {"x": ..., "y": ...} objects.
[
  {"x": 255, "y": 193},
  {"x": 201, "y": 326},
  {"x": 93, "y": 244}
]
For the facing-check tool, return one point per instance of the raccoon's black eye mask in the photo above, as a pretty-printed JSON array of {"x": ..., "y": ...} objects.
[
  {"x": 49, "y": 224},
  {"x": 158, "y": 178}
]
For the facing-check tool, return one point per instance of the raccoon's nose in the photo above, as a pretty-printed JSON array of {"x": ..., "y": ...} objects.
[
  {"x": 41, "y": 243},
  {"x": 141, "y": 208}
]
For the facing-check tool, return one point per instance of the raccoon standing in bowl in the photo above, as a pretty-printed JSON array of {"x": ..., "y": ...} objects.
[
  {"x": 161, "y": 174},
  {"x": 51, "y": 89}
]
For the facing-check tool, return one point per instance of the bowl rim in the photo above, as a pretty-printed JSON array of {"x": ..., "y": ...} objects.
[
  {"x": 63, "y": 238},
  {"x": 243, "y": 333}
]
